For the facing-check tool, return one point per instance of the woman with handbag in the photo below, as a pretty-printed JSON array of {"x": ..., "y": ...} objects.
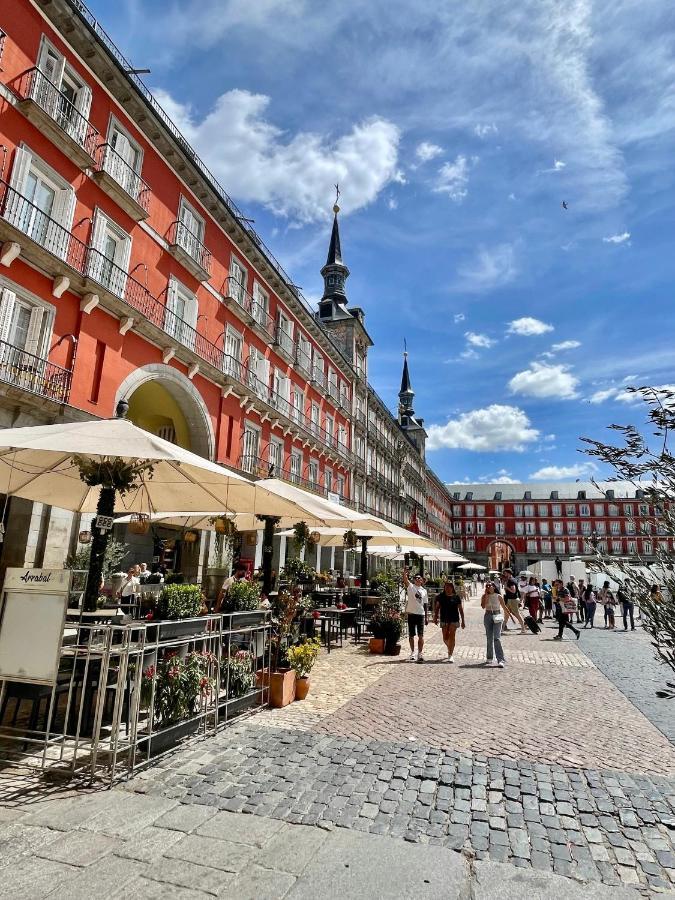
[{"x": 495, "y": 610}]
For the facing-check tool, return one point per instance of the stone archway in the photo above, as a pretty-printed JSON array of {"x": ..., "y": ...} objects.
[
  {"x": 161, "y": 399},
  {"x": 501, "y": 553}
]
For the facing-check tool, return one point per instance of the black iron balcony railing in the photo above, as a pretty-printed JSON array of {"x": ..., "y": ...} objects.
[
  {"x": 303, "y": 360},
  {"x": 181, "y": 236},
  {"x": 234, "y": 290},
  {"x": 34, "y": 85},
  {"x": 109, "y": 160},
  {"x": 284, "y": 340},
  {"x": 319, "y": 376},
  {"x": 262, "y": 319},
  {"x": 33, "y": 373},
  {"x": 36, "y": 224}
]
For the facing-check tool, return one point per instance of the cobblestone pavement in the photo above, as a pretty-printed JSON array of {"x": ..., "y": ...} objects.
[
  {"x": 541, "y": 771},
  {"x": 628, "y": 660}
]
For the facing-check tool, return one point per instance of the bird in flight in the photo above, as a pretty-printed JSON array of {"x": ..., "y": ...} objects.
[{"x": 564, "y": 204}]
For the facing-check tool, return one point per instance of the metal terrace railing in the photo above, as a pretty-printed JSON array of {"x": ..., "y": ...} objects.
[{"x": 33, "y": 373}]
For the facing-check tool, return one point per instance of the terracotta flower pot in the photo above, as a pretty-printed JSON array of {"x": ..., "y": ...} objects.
[
  {"x": 376, "y": 645},
  {"x": 282, "y": 688},
  {"x": 301, "y": 687}
]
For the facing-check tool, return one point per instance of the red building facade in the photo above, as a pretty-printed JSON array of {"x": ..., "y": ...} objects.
[
  {"x": 126, "y": 272},
  {"x": 520, "y": 524}
]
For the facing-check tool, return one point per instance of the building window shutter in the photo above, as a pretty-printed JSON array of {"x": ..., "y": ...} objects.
[
  {"x": 33, "y": 342},
  {"x": 96, "y": 245},
  {"x": 7, "y": 303},
  {"x": 22, "y": 163},
  {"x": 171, "y": 318},
  {"x": 58, "y": 233},
  {"x": 17, "y": 209},
  {"x": 78, "y": 127}
]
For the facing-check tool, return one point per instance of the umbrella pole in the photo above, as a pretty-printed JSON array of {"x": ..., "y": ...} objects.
[
  {"x": 99, "y": 542},
  {"x": 421, "y": 562},
  {"x": 270, "y": 522},
  {"x": 364, "y": 566}
]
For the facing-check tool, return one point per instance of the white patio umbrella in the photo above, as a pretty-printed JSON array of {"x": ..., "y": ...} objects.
[
  {"x": 471, "y": 567},
  {"x": 399, "y": 551},
  {"x": 384, "y": 535},
  {"x": 325, "y": 509}
]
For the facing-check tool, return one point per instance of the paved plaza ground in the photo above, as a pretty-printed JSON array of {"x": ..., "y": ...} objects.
[{"x": 554, "y": 777}]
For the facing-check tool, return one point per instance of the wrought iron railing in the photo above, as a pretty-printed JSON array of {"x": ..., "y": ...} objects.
[
  {"x": 33, "y": 373},
  {"x": 181, "y": 236},
  {"x": 110, "y": 161},
  {"x": 34, "y": 85},
  {"x": 234, "y": 290},
  {"x": 284, "y": 340}
]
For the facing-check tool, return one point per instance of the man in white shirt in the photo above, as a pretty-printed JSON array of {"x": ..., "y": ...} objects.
[
  {"x": 416, "y": 600},
  {"x": 130, "y": 585}
]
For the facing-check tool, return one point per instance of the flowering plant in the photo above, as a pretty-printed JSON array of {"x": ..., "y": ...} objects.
[
  {"x": 180, "y": 685},
  {"x": 237, "y": 675},
  {"x": 303, "y": 656}
]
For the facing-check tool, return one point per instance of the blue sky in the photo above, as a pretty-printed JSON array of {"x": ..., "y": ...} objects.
[{"x": 455, "y": 130}]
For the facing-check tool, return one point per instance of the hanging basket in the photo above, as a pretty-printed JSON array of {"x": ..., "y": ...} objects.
[
  {"x": 223, "y": 525},
  {"x": 139, "y": 523},
  {"x": 315, "y": 537},
  {"x": 350, "y": 539},
  {"x": 190, "y": 537},
  {"x": 84, "y": 537}
]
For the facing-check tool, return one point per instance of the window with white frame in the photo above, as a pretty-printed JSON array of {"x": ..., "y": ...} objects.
[
  {"x": 517, "y": 510},
  {"x": 573, "y": 546},
  {"x": 25, "y": 332},
  {"x": 342, "y": 436},
  {"x": 617, "y": 546},
  {"x": 520, "y": 528},
  {"x": 469, "y": 528},
  {"x": 598, "y": 509},
  {"x": 296, "y": 465},
  {"x": 570, "y": 509},
  {"x": 543, "y": 528},
  {"x": 647, "y": 548},
  {"x": 250, "y": 447},
  {"x": 304, "y": 352},
  {"x": 571, "y": 527},
  {"x": 457, "y": 510},
  {"x": 123, "y": 159},
  {"x": 644, "y": 509},
  {"x": 333, "y": 384},
  {"x": 585, "y": 527},
  {"x": 556, "y": 510},
  {"x": 258, "y": 372},
  {"x": 190, "y": 230},
  {"x": 542, "y": 509},
  {"x": 108, "y": 257},
  {"x": 584, "y": 509},
  {"x": 557, "y": 528},
  {"x": 330, "y": 428},
  {"x": 628, "y": 509},
  {"x": 545, "y": 546},
  {"x": 318, "y": 369},
  {"x": 632, "y": 547},
  {"x": 529, "y": 510},
  {"x": 613, "y": 509},
  {"x": 531, "y": 546},
  {"x": 276, "y": 458},
  {"x": 663, "y": 545},
  {"x": 314, "y": 419},
  {"x": 180, "y": 315},
  {"x": 530, "y": 528},
  {"x": 630, "y": 527},
  {"x": 601, "y": 527},
  {"x": 340, "y": 485},
  {"x": 457, "y": 527},
  {"x": 615, "y": 527},
  {"x": 470, "y": 545},
  {"x": 41, "y": 203},
  {"x": 480, "y": 511},
  {"x": 297, "y": 403},
  {"x": 499, "y": 528},
  {"x": 457, "y": 544},
  {"x": 560, "y": 546},
  {"x": 260, "y": 306},
  {"x": 314, "y": 471},
  {"x": 480, "y": 527},
  {"x": 469, "y": 510},
  {"x": 328, "y": 480},
  {"x": 61, "y": 92},
  {"x": 499, "y": 511},
  {"x": 236, "y": 282},
  {"x": 284, "y": 332},
  {"x": 233, "y": 346}
]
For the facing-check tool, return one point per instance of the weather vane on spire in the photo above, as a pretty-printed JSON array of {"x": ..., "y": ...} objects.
[
  {"x": 336, "y": 208},
  {"x": 405, "y": 347}
]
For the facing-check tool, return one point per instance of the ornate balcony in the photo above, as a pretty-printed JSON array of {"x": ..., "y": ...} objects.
[
  {"x": 121, "y": 182},
  {"x": 189, "y": 251},
  {"x": 56, "y": 117},
  {"x": 33, "y": 374}
]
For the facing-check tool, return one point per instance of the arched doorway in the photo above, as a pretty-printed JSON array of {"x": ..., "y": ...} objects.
[
  {"x": 501, "y": 555},
  {"x": 166, "y": 403}
]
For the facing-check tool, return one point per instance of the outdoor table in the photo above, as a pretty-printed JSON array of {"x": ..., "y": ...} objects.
[{"x": 342, "y": 614}]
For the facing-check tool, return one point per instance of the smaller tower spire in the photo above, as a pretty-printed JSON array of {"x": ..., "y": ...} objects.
[{"x": 406, "y": 395}]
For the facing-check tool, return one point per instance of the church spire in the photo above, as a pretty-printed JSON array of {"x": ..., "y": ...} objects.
[
  {"x": 406, "y": 394},
  {"x": 335, "y": 272}
]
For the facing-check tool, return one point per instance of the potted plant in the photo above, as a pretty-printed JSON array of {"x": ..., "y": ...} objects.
[
  {"x": 297, "y": 571},
  {"x": 282, "y": 676},
  {"x": 177, "y": 602},
  {"x": 302, "y": 658},
  {"x": 376, "y": 643},
  {"x": 350, "y": 539},
  {"x": 174, "y": 691},
  {"x": 237, "y": 679}
]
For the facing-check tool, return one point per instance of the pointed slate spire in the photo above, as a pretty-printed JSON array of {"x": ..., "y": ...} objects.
[
  {"x": 335, "y": 272},
  {"x": 406, "y": 394}
]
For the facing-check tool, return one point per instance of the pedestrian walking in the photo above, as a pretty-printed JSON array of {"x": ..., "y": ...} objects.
[
  {"x": 416, "y": 597},
  {"x": 590, "y": 604},
  {"x": 493, "y": 619},
  {"x": 568, "y": 605},
  {"x": 547, "y": 595},
  {"x": 624, "y": 597},
  {"x": 558, "y": 567},
  {"x": 449, "y": 607},
  {"x": 608, "y": 601},
  {"x": 511, "y": 595},
  {"x": 533, "y": 599},
  {"x": 555, "y": 591},
  {"x": 581, "y": 605}
]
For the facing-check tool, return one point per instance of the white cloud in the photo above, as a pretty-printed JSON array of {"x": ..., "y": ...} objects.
[
  {"x": 484, "y": 130},
  {"x": 292, "y": 176},
  {"x": 426, "y": 151},
  {"x": 458, "y": 317},
  {"x": 502, "y": 477},
  {"x": 617, "y": 238},
  {"x": 496, "y": 427},
  {"x": 527, "y": 326},
  {"x": 491, "y": 268},
  {"x": 601, "y": 396},
  {"x": 479, "y": 340},
  {"x": 453, "y": 179},
  {"x": 544, "y": 380},
  {"x": 555, "y": 473},
  {"x": 392, "y": 203},
  {"x": 558, "y": 166},
  {"x": 467, "y": 354},
  {"x": 399, "y": 177},
  {"x": 622, "y": 395},
  {"x": 565, "y": 345}
]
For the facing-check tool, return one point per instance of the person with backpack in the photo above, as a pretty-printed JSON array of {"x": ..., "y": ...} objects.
[
  {"x": 568, "y": 605},
  {"x": 590, "y": 605}
]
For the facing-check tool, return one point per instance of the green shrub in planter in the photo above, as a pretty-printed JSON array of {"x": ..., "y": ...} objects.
[
  {"x": 242, "y": 596},
  {"x": 180, "y": 601}
]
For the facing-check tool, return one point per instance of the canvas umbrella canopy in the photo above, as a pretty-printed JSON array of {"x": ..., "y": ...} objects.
[
  {"x": 324, "y": 509},
  {"x": 127, "y": 470},
  {"x": 471, "y": 567},
  {"x": 399, "y": 551},
  {"x": 384, "y": 535}
]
